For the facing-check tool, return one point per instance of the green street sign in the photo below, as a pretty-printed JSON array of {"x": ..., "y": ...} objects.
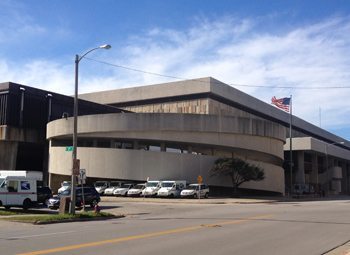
[{"x": 69, "y": 148}]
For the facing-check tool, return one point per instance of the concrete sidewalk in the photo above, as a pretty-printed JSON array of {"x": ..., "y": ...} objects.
[
  {"x": 222, "y": 200},
  {"x": 341, "y": 250}
]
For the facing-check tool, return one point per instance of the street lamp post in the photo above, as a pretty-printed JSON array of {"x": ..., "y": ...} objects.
[
  {"x": 76, "y": 165},
  {"x": 326, "y": 152}
]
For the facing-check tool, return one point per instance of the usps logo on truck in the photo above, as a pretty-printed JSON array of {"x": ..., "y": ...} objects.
[{"x": 25, "y": 185}]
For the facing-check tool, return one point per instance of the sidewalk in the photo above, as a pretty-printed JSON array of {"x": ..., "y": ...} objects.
[
  {"x": 223, "y": 200},
  {"x": 341, "y": 250}
]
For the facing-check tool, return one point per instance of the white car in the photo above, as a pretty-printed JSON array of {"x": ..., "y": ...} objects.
[
  {"x": 195, "y": 191},
  {"x": 123, "y": 190},
  {"x": 64, "y": 186},
  {"x": 100, "y": 186},
  {"x": 136, "y": 190},
  {"x": 113, "y": 185}
]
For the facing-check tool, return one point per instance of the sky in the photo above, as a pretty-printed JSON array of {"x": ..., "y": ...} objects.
[{"x": 265, "y": 48}]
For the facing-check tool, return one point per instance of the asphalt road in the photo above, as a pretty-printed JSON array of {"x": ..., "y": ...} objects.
[{"x": 190, "y": 228}]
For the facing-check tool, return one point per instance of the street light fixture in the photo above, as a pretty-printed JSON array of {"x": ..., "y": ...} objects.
[{"x": 76, "y": 165}]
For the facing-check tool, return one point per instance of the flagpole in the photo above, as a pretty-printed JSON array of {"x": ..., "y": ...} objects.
[{"x": 290, "y": 146}]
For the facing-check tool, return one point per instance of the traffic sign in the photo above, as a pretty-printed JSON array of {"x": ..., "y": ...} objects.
[
  {"x": 69, "y": 148},
  {"x": 76, "y": 167},
  {"x": 199, "y": 179},
  {"x": 82, "y": 176}
]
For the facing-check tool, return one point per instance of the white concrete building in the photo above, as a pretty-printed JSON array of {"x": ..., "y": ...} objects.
[{"x": 177, "y": 130}]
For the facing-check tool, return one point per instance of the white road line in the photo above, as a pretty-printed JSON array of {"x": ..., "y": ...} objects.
[{"x": 48, "y": 234}]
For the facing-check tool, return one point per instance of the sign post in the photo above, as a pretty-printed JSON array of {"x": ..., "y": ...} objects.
[
  {"x": 199, "y": 180},
  {"x": 144, "y": 193},
  {"x": 81, "y": 180}
]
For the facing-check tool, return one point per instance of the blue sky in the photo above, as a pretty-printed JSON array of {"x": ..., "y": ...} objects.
[{"x": 294, "y": 44}]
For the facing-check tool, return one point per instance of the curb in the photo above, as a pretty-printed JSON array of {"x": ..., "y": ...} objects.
[
  {"x": 343, "y": 249},
  {"x": 76, "y": 220},
  {"x": 187, "y": 201},
  {"x": 67, "y": 220}
]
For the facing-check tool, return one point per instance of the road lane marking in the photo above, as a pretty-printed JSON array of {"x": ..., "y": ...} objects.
[
  {"x": 143, "y": 236},
  {"x": 39, "y": 235}
]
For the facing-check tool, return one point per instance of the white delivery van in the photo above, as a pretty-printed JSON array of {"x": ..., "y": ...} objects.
[
  {"x": 151, "y": 188},
  {"x": 18, "y": 188},
  {"x": 171, "y": 188}
]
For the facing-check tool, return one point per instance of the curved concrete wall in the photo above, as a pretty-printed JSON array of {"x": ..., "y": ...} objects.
[
  {"x": 139, "y": 164},
  {"x": 230, "y": 131},
  {"x": 236, "y": 133}
]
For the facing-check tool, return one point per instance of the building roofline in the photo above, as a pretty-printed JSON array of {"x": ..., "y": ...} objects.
[{"x": 212, "y": 88}]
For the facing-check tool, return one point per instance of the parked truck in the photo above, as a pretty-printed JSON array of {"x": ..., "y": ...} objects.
[
  {"x": 171, "y": 188},
  {"x": 19, "y": 188}
]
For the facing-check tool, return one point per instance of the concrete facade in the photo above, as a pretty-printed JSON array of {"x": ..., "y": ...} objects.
[
  {"x": 178, "y": 129},
  {"x": 323, "y": 165},
  {"x": 184, "y": 146}
]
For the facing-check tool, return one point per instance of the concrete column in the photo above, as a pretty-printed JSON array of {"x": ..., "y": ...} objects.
[
  {"x": 347, "y": 176},
  {"x": 189, "y": 149},
  {"x": 300, "y": 173},
  {"x": 330, "y": 168},
  {"x": 21, "y": 110},
  {"x": 344, "y": 181},
  {"x": 314, "y": 173},
  {"x": 49, "y": 110},
  {"x": 8, "y": 155},
  {"x": 162, "y": 147},
  {"x": 136, "y": 145},
  {"x": 50, "y": 180}
]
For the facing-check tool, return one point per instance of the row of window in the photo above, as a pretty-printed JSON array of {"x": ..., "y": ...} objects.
[{"x": 134, "y": 145}]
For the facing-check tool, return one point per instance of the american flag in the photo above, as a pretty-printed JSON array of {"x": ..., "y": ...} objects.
[{"x": 282, "y": 103}]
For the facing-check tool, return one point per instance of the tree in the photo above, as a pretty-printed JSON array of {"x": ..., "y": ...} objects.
[{"x": 239, "y": 171}]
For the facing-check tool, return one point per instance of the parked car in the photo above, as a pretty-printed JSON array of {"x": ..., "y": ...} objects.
[
  {"x": 123, "y": 190},
  {"x": 91, "y": 197},
  {"x": 44, "y": 193},
  {"x": 171, "y": 188},
  {"x": 101, "y": 186},
  {"x": 136, "y": 190},
  {"x": 64, "y": 186},
  {"x": 113, "y": 185},
  {"x": 196, "y": 190}
]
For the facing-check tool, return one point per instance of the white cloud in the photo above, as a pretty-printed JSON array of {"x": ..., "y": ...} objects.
[
  {"x": 309, "y": 56},
  {"x": 14, "y": 23},
  {"x": 232, "y": 50},
  {"x": 41, "y": 74}
]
